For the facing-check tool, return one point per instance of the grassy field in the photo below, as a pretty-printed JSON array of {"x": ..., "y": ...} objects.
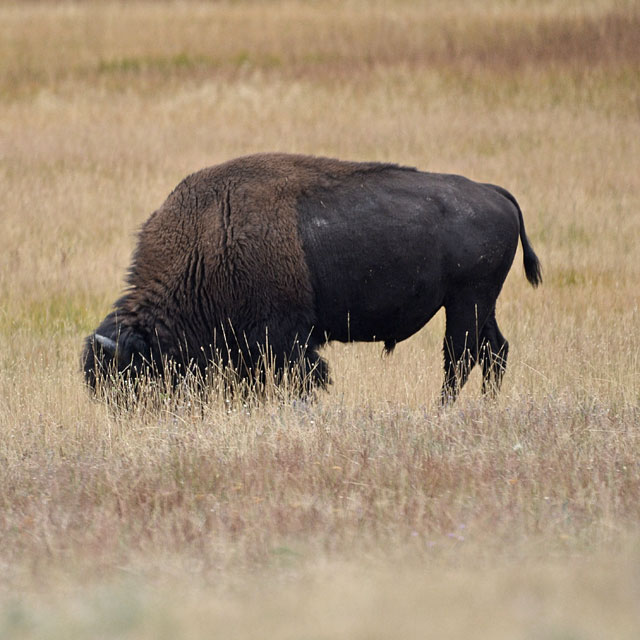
[{"x": 371, "y": 513}]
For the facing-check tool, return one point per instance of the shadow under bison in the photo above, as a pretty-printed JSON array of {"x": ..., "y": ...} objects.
[{"x": 276, "y": 254}]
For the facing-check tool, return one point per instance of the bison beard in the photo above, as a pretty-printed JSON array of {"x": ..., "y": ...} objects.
[{"x": 273, "y": 255}]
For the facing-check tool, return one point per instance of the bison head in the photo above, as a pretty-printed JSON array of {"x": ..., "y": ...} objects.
[{"x": 115, "y": 350}]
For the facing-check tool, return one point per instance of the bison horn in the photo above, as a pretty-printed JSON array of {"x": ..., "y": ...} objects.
[{"x": 109, "y": 345}]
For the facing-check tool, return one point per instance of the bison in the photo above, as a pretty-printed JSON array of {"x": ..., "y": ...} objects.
[{"x": 279, "y": 253}]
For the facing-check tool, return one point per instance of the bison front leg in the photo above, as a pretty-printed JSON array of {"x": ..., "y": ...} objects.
[
  {"x": 315, "y": 373},
  {"x": 304, "y": 366}
]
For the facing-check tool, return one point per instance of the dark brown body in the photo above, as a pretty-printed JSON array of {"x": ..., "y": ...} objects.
[{"x": 291, "y": 251}]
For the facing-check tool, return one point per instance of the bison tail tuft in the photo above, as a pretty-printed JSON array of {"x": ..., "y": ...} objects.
[{"x": 532, "y": 266}]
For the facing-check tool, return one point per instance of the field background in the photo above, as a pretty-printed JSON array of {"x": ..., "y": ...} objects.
[{"x": 371, "y": 513}]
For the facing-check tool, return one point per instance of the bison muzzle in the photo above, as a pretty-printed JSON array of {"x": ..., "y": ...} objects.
[{"x": 278, "y": 254}]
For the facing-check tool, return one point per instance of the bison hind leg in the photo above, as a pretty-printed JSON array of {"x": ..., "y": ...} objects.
[
  {"x": 467, "y": 314},
  {"x": 493, "y": 354},
  {"x": 459, "y": 360}
]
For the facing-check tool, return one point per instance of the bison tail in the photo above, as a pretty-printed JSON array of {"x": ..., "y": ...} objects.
[{"x": 532, "y": 266}]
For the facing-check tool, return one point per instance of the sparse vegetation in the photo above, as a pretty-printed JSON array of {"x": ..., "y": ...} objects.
[{"x": 371, "y": 512}]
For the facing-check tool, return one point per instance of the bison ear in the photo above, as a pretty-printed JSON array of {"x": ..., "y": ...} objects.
[{"x": 108, "y": 345}]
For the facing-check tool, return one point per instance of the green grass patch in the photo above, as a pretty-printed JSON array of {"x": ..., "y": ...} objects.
[
  {"x": 56, "y": 315},
  {"x": 140, "y": 64}
]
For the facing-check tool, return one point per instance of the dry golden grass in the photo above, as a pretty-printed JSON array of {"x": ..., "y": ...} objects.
[{"x": 371, "y": 513}]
